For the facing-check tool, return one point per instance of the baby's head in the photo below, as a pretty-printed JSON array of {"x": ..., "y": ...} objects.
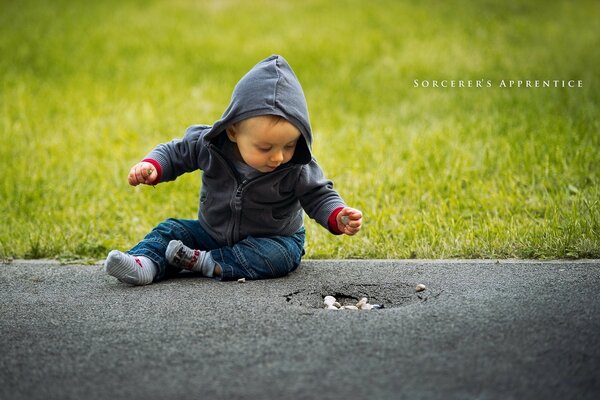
[{"x": 265, "y": 141}]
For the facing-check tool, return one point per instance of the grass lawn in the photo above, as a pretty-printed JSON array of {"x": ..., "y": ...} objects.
[{"x": 88, "y": 88}]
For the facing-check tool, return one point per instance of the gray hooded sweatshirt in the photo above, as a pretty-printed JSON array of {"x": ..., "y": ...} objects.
[{"x": 232, "y": 207}]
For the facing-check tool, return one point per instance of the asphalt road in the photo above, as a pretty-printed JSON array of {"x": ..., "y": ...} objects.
[{"x": 482, "y": 330}]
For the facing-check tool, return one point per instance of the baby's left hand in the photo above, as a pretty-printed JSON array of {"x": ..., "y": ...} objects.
[{"x": 349, "y": 220}]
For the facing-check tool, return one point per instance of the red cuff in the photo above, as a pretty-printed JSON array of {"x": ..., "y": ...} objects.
[
  {"x": 332, "y": 221},
  {"x": 156, "y": 166}
]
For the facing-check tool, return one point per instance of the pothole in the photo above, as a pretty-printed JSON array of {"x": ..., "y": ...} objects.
[{"x": 389, "y": 295}]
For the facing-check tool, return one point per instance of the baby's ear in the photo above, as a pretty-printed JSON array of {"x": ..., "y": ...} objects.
[{"x": 232, "y": 132}]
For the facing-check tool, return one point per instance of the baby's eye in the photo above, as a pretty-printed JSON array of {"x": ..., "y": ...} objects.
[{"x": 264, "y": 149}]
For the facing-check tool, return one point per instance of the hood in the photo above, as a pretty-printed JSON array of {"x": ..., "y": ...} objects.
[{"x": 270, "y": 87}]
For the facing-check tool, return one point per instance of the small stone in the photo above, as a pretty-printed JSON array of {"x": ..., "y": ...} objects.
[
  {"x": 350, "y": 308},
  {"x": 345, "y": 220},
  {"x": 338, "y": 305},
  {"x": 420, "y": 287},
  {"x": 329, "y": 300},
  {"x": 242, "y": 280},
  {"x": 366, "y": 307},
  {"x": 362, "y": 302}
]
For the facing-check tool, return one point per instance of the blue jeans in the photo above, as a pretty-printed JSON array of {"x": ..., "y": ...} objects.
[{"x": 251, "y": 258}]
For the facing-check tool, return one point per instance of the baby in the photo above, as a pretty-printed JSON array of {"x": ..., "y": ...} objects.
[{"x": 259, "y": 176}]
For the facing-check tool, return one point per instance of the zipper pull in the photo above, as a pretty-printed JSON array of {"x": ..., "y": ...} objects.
[{"x": 240, "y": 188}]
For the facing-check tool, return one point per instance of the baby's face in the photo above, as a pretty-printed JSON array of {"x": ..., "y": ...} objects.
[{"x": 264, "y": 142}]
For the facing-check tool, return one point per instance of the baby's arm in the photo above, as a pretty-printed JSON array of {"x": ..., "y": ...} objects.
[
  {"x": 177, "y": 157},
  {"x": 142, "y": 172}
]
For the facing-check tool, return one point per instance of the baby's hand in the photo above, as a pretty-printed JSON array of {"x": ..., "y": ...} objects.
[
  {"x": 349, "y": 221},
  {"x": 143, "y": 172}
]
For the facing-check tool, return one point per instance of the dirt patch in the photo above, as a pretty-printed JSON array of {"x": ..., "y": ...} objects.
[{"x": 388, "y": 295}]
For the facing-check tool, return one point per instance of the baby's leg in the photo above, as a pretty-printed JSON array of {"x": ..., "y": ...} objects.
[
  {"x": 260, "y": 258},
  {"x": 181, "y": 256},
  {"x": 130, "y": 269},
  {"x": 155, "y": 244}
]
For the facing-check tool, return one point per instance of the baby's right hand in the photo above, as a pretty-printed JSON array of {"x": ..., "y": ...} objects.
[{"x": 143, "y": 172}]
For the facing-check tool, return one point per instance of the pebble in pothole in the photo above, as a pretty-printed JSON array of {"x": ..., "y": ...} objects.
[{"x": 363, "y": 304}]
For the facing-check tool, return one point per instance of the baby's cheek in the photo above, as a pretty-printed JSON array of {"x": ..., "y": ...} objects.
[{"x": 256, "y": 159}]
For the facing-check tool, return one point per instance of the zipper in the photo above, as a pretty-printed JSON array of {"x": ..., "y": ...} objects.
[
  {"x": 236, "y": 211},
  {"x": 236, "y": 202},
  {"x": 240, "y": 188}
]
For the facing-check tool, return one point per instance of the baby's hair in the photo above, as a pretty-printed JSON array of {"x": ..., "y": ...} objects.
[{"x": 275, "y": 119}]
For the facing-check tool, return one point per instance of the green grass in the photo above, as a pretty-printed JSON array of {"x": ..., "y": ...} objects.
[{"x": 88, "y": 88}]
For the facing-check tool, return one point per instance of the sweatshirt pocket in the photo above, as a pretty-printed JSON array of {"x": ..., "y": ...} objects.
[{"x": 281, "y": 214}]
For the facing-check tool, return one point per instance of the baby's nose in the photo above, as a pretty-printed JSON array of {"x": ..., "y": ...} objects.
[{"x": 277, "y": 156}]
